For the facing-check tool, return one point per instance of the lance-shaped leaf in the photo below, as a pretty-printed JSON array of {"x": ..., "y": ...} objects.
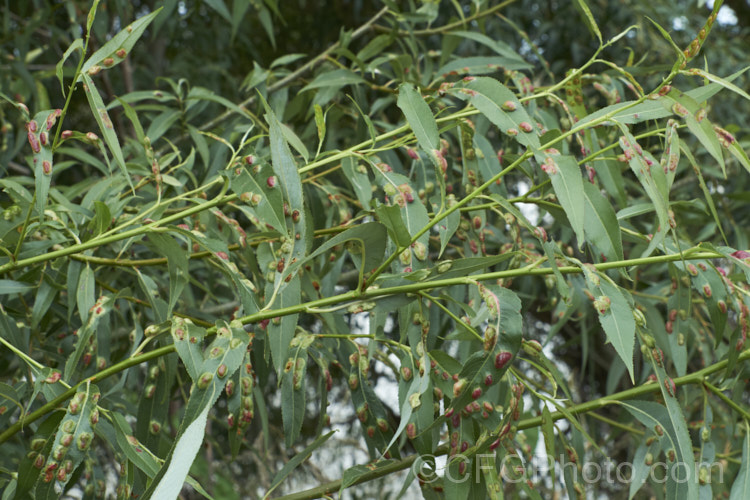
[
  {"x": 177, "y": 264},
  {"x": 602, "y": 228},
  {"x": 632, "y": 112},
  {"x": 40, "y": 134},
  {"x": 501, "y": 107},
  {"x": 390, "y": 216},
  {"x": 265, "y": 204},
  {"x": 689, "y": 110},
  {"x": 101, "y": 308},
  {"x": 289, "y": 181},
  {"x": 118, "y": 47},
  {"x": 369, "y": 239},
  {"x": 133, "y": 449},
  {"x": 105, "y": 124},
  {"x": 356, "y": 174},
  {"x": 72, "y": 441},
  {"x": 220, "y": 360},
  {"x": 615, "y": 315},
  {"x": 420, "y": 119},
  {"x": 280, "y": 330},
  {"x": 484, "y": 369},
  {"x": 413, "y": 212},
  {"x": 565, "y": 174},
  {"x": 648, "y": 172},
  {"x": 28, "y": 473},
  {"x": 293, "y": 378},
  {"x": 482, "y": 65},
  {"x": 675, "y": 439},
  {"x": 296, "y": 461},
  {"x": 367, "y": 406},
  {"x": 460, "y": 465},
  {"x": 412, "y": 385},
  {"x": 353, "y": 475},
  {"x": 641, "y": 469}
]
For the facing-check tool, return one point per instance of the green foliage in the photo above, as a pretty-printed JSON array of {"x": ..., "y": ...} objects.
[{"x": 209, "y": 249}]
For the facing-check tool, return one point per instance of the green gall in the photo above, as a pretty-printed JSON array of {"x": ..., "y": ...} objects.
[
  {"x": 414, "y": 400},
  {"x": 532, "y": 347},
  {"x": 204, "y": 380},
  {"x": 84, "y": 441}
]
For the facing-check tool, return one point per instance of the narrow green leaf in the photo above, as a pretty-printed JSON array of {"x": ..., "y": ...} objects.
[
  {"x": 264, "y": 203},
  {"x": 548, "y": 430},
  {"x": 221, "y": 359},
  {"x": 76, "y": 45},
  {"x": 293, "y": 387},
  {"x": 419, "y": 384},
  {"x": 8, "y": 287},
  {"x": 588, "y": 18},
  {"x": 602, "y": 228},
  {"x": 490, "y": 97},
  {"x": 352, "y": 475},
  {"x": 643, "y": 171},
  {"x": 295, "y": 142},
  {"x": 99, "y": 309},
  {"x": 565, "y": 174},
  {"x": 76, "y": 429},
  {"x": 85, "y": 293},
  {"x": 41, "y": 145},
  {"x": 105, "y": 125},
  {"x": 135, "y": 451},
  {"x": 641, "y": 470},
  {"x": 357, "y": 176},
  {"x": 481, "y": 65},
  {"x": 447, "y": 228},
  {"x": 280, "y": 331},
  {"x": 320, "y": 124},
  {"x": 221, "y": 8},
  {"x": 615, "y": 315},
  {"x": 297, "y": 460},
  {"x": 204, "y": 94},
  {"x": 653, "y": 109},
  {"x": 177, "y": 264},
  {"x": 694, "y": 116},
  {"x": 497, "y": 46},
  {"x": 390, "y": 217},
  {"x": 368, "y": 407},
  {"x": 370, "y": 238},
  {"x": 119, "y": 45},
  {"x": 420, "y": 119},
  {"x": 287, "y": 175}
]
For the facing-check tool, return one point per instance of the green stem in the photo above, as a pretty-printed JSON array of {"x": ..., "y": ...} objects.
[
  {"x": 691, "y": 254},
  {"x": 52, "y": 405},
  {"x": 80, "y": 247},
  {"x": 728, "y": 401}
]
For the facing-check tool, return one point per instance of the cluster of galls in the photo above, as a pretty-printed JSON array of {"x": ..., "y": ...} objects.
[
  {"x": 60, "y": 467},
  {"x": 108, "y": 61},
  {"x": 247, "y": 408},
  {"x": 631, "y": 151}
]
